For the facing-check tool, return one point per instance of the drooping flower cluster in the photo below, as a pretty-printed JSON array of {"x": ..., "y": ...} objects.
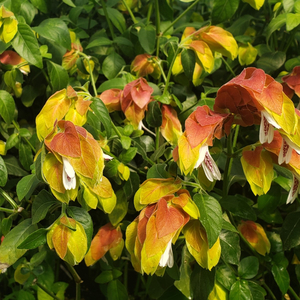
[
  {"x": 205, "y": 42},
  {"x": 132, "y": 100}
]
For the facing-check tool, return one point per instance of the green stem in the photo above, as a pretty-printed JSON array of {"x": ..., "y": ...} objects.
[
  {"x": 116, "y": 130},
  {"x": 157, "y": 15},
  {"x": 9, "y": 199},
  {"x": 227, "y": 65},
  {"x": 293, "y": 293},
  {"x": 26, "y": 140},
  {"x": 47, "y": 291},
  {"x": 111, "y": 29},
  {"x": 77, "y": 280},
  {"x": 130, "y": 12},
  {"x": 90, "y": 72},
  {"x": 227, "y": 165},
  {"x": 126, "y": 275},
  {"x": 269, "y": 290},
  {"x": 161, "y": 69},
  {"x": 196, "y": 185},
  {"x": 157, "y": 138},
  {"x": 7, "y": 210},
  {"x": 63, "y": 208},
  {"x": 178, "y": 18},
  {"x": 149, "y": 13},
  {"x": 170, "y": 71}
]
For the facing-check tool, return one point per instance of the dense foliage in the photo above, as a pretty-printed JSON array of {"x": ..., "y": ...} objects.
[{"x": 149, "y": 149}]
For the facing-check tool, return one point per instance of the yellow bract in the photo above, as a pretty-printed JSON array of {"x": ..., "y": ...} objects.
[
  {"x": 8, "y": 25},
  {"x": 247, "y": 54},
  {"x": 256, "y": 4}
]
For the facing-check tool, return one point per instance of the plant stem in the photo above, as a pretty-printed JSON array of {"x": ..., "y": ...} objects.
[
  {"x": 47, "y": 291},
  {"x": 90, "y": 72},
  {"x": 227, "y": 65},
  {"x": 130, "y": 12},
  {"x": 77, "y": 280},
  {"x": 196, "y": 185},
  {"x": 157, "y": 138},
  {"x": 7, "y": 210},
  {"x": 182, "y": 15},
  {"x": 116, "y": 130},
  {"x": 111, "y": 29},
  {"x": 157, "y": 20},
  {"x": 269, "y": 290},
  {"x": 293, "y": 293},
  {"x": 26, "y": 140},
  {"x": 9, "y": 199},
  {"x": 149, "y": 13}
]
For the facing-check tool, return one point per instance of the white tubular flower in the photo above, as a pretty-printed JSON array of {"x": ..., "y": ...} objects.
[
  {"x": 285, "y": 153},
  {"x": 69, "y": 178},
  {"x": 167, "y": 258},
  {"x": 107, "y": 157},
  {"x": 294, "y": 190},
  {"x": 267, "y": 124}
]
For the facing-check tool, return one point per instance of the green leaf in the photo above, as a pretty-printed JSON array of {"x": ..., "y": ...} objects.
[
  {"x": 12, "y": 141},
  {"x": 98, "y": 42},
  {"x": 115, "y": 83},
  {"x": 25, "y": 155},
  {"x": 290, "y": 230},
  {"x": 188, "y": 60},
  {"x": 38, "y": 258},
  {"x": 83, "y": 217},
  {"x": 288, "y": 5},
  {"x": 107, "y": 276},
  {"x": 29, "y": 94},
  {"x": 24, "y": 295},
  {"x": 13, "y": 166},
  {"x": 27, "y": 11},
  {"x": 281, "y": 277},
  {"x": 238, "y": 206},
  {"x": 223, "y": 10},
  {"x": 55, "y": 30},
  {"x": 127, "y": 156},
  {"x": 41, "y": 5},
  {"x": 248, "y": 267},
  {"x": 158, "y": 153},
  {"x": 126, "y": 142},
  {"x": 3, "y": 172},
  {"x": 116, "y": 290},
  {"x": 225, "y": 276},
  {"x": 120, "y": 210},
  {"x": 102, "y": 114},
  {"x": 297, "y": 6},
  {"x": 117, "y": 19},
  {"x": 7, "y": 107},
  {"x": 34, "y": 240},
  {"x": 154, "y": 114},
  {"x": 9, "y": 253},
  {"x": 147, "y": 37},
  {"x": 69, "y": 2},
  {"x": 291, "y": 63},
  {"x": 26, "y": 186},
  {"x": 240, "y": 291},
  {"x": 41, "y": 204},
  {"x": 292, "y": 21},
  {"x": 26, "y": 44},
  {"x": 183, "y": 284},
  {"x": 158, "y": 171},
  {"x": 275, "y": 24},
  {"x": 125, "y": 45},
  {"x": 228, "y": 226},
  {"x": 258, "y": 293},
  {"x": 6, "y": 225},
  {"x": 210, "y": 217},
  {"x": 59, "y": 77},
  {"x": 131, "y": 185},
  {"x": 202, "y": 282},
  {"x": 112, "y": 65},
  {"x": 271, "y": 61},
  {"x": 230, "y": 244}
]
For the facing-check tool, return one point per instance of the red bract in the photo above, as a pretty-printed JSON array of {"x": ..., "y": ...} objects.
[
  {"x": 111, "y": 99},
  {"x": 293, "y": 80}
]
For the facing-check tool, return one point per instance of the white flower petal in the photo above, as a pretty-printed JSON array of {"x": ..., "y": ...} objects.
[
  {"x": 294, "y": 190},
  {"x": 202, "y": 152},
  {"x": 270, "y": 119},
  {"x": 107, "y": 157},
  {"x": 266, "y": 130},
  {"x": 69, "y": 177},
  {"x": 292, "y": 145},
  {"x": 210, "y": 168},
  {"x": 285, "y": 153},
  {"x": 167, "y": 258}
]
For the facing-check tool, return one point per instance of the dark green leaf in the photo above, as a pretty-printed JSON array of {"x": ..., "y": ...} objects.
[
  {"x": 210, "y": 217},
  {"x": 107, "y": 276},
  {"x": 26, "y": 44},
  {"x": 3, "y": 172},
  {"x": 69, "y": 2},
  {"x": 248, "y": 267},
  {"x": 98, "y": 42},
  {"x": 41, "y": 204},
  {"x": 131, "y": 185},
  {"x": 38, "y": 258},
  {"x": 7, "y": 107},
  {"x": 159, "y": 152},
  {"x": 239, "y": 26},
  {"x": 117, "y": 19},
  {"x": 147, "y": 37},
  {"x": 228, "y": 226},
  {"x": 127, "y": 156},
  {"x": 275, "y": 24},
  {"x": 166, "y": 10},
  {"x": 6, "y": 225},
  {"x": 223, "y": 10},
  {"x": 291, "y": 63},
  {"x": 34, "y": 240},
  {"x": 13, "y": 166},
  {"x": 12, "y": 141},
  {"x": 58, "y": 76},
  {"x": 258, "y": 293},
  {"x": 84, "y": 218},
  {"x": 27, "y": 11},
  {"x": 25, "y": 155},
  {"x": 226, "y": 277},
  {"x": 238, "y": 206},
  {"x": 29, "y": 94},
  {"x": 158, "y": 171},
  {"x": 116, "y": 290},
  {"x": 26, "y": 186},
  {"x": 240, "y": 291},
  {"x": 154, "y": 114},
  {"x": 230, "y": 245},
  {"x": 115, "y": 83},
  {"x": 271, "y": 61},
  {"x": 188, "y": 60},
  {"x": 102, "y": 114},
  {"x": 24, "y": 295},
  {"x": 125, "y": 45},
  {"x": 41, "y": 5},
  {"x": 290, "y": 230},
  {"x": 55, "y": 30},
  {"x": 281, "y": 277},
  {"x": 202, "y": 282},
  {"x": 112, "y": 65}
]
